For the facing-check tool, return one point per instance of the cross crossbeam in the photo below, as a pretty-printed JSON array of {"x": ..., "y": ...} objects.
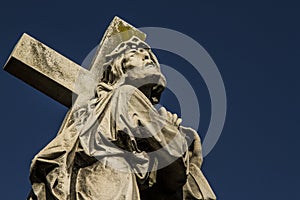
[{"x": 58, "y": 77}]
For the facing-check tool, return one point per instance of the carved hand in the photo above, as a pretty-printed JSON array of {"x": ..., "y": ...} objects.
[{"x": 172, "y": 118}]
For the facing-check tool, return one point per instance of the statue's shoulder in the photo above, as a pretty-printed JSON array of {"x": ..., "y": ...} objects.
[{"x": 126, "y": 88}]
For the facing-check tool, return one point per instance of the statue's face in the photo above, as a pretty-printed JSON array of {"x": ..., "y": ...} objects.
[
  {"x": 143, "y": 72},
  {"x": 139, "y": 61}
]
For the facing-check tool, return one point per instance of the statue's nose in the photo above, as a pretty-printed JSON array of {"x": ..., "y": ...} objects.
[
  {"x": 144, "y": 54},
  {"x": 145, "y": 57}
]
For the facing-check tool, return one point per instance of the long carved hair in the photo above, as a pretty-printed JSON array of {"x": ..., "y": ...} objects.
[{"x": 113, "y": 70}]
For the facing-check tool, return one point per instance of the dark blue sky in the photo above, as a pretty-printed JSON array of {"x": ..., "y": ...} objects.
[{"x": 255, "y": 45}]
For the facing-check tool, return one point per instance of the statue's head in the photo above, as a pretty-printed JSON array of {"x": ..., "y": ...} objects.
[{"x": 132, "y": 62}]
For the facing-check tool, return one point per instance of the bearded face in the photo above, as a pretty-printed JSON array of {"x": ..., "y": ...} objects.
[{"x": 142, "y": 71}]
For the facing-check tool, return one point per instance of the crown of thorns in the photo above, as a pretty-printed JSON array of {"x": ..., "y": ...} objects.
[{"x": 133, "y": 43}]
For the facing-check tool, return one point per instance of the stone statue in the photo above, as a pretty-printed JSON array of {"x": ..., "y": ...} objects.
[{"x": 117, "y": 145}]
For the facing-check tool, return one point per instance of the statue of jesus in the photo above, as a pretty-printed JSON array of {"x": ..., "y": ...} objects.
[{"x": 118, "y": 145}]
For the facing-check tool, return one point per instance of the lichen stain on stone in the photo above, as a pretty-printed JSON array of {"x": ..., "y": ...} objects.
[
  {"x": 121, "y": 27},
  {"x": 44, "y": 61}
]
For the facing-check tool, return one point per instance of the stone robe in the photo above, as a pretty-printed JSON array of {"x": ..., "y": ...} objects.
[{"x": 118, "y": 146}]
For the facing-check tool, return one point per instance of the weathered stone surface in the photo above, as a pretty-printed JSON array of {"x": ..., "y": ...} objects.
[
  {"x": 113, "y": 143},
  {"x": 44, "y": 69}
]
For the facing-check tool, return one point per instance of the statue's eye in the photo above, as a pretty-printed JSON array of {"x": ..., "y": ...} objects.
[{"x": 132, "y": 51}]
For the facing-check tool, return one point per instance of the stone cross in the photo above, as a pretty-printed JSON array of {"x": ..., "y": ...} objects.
[{"x": 57, "y": 76}]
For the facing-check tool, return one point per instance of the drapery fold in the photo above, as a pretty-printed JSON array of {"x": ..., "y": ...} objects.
[{"x": 125, "y": 141}]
